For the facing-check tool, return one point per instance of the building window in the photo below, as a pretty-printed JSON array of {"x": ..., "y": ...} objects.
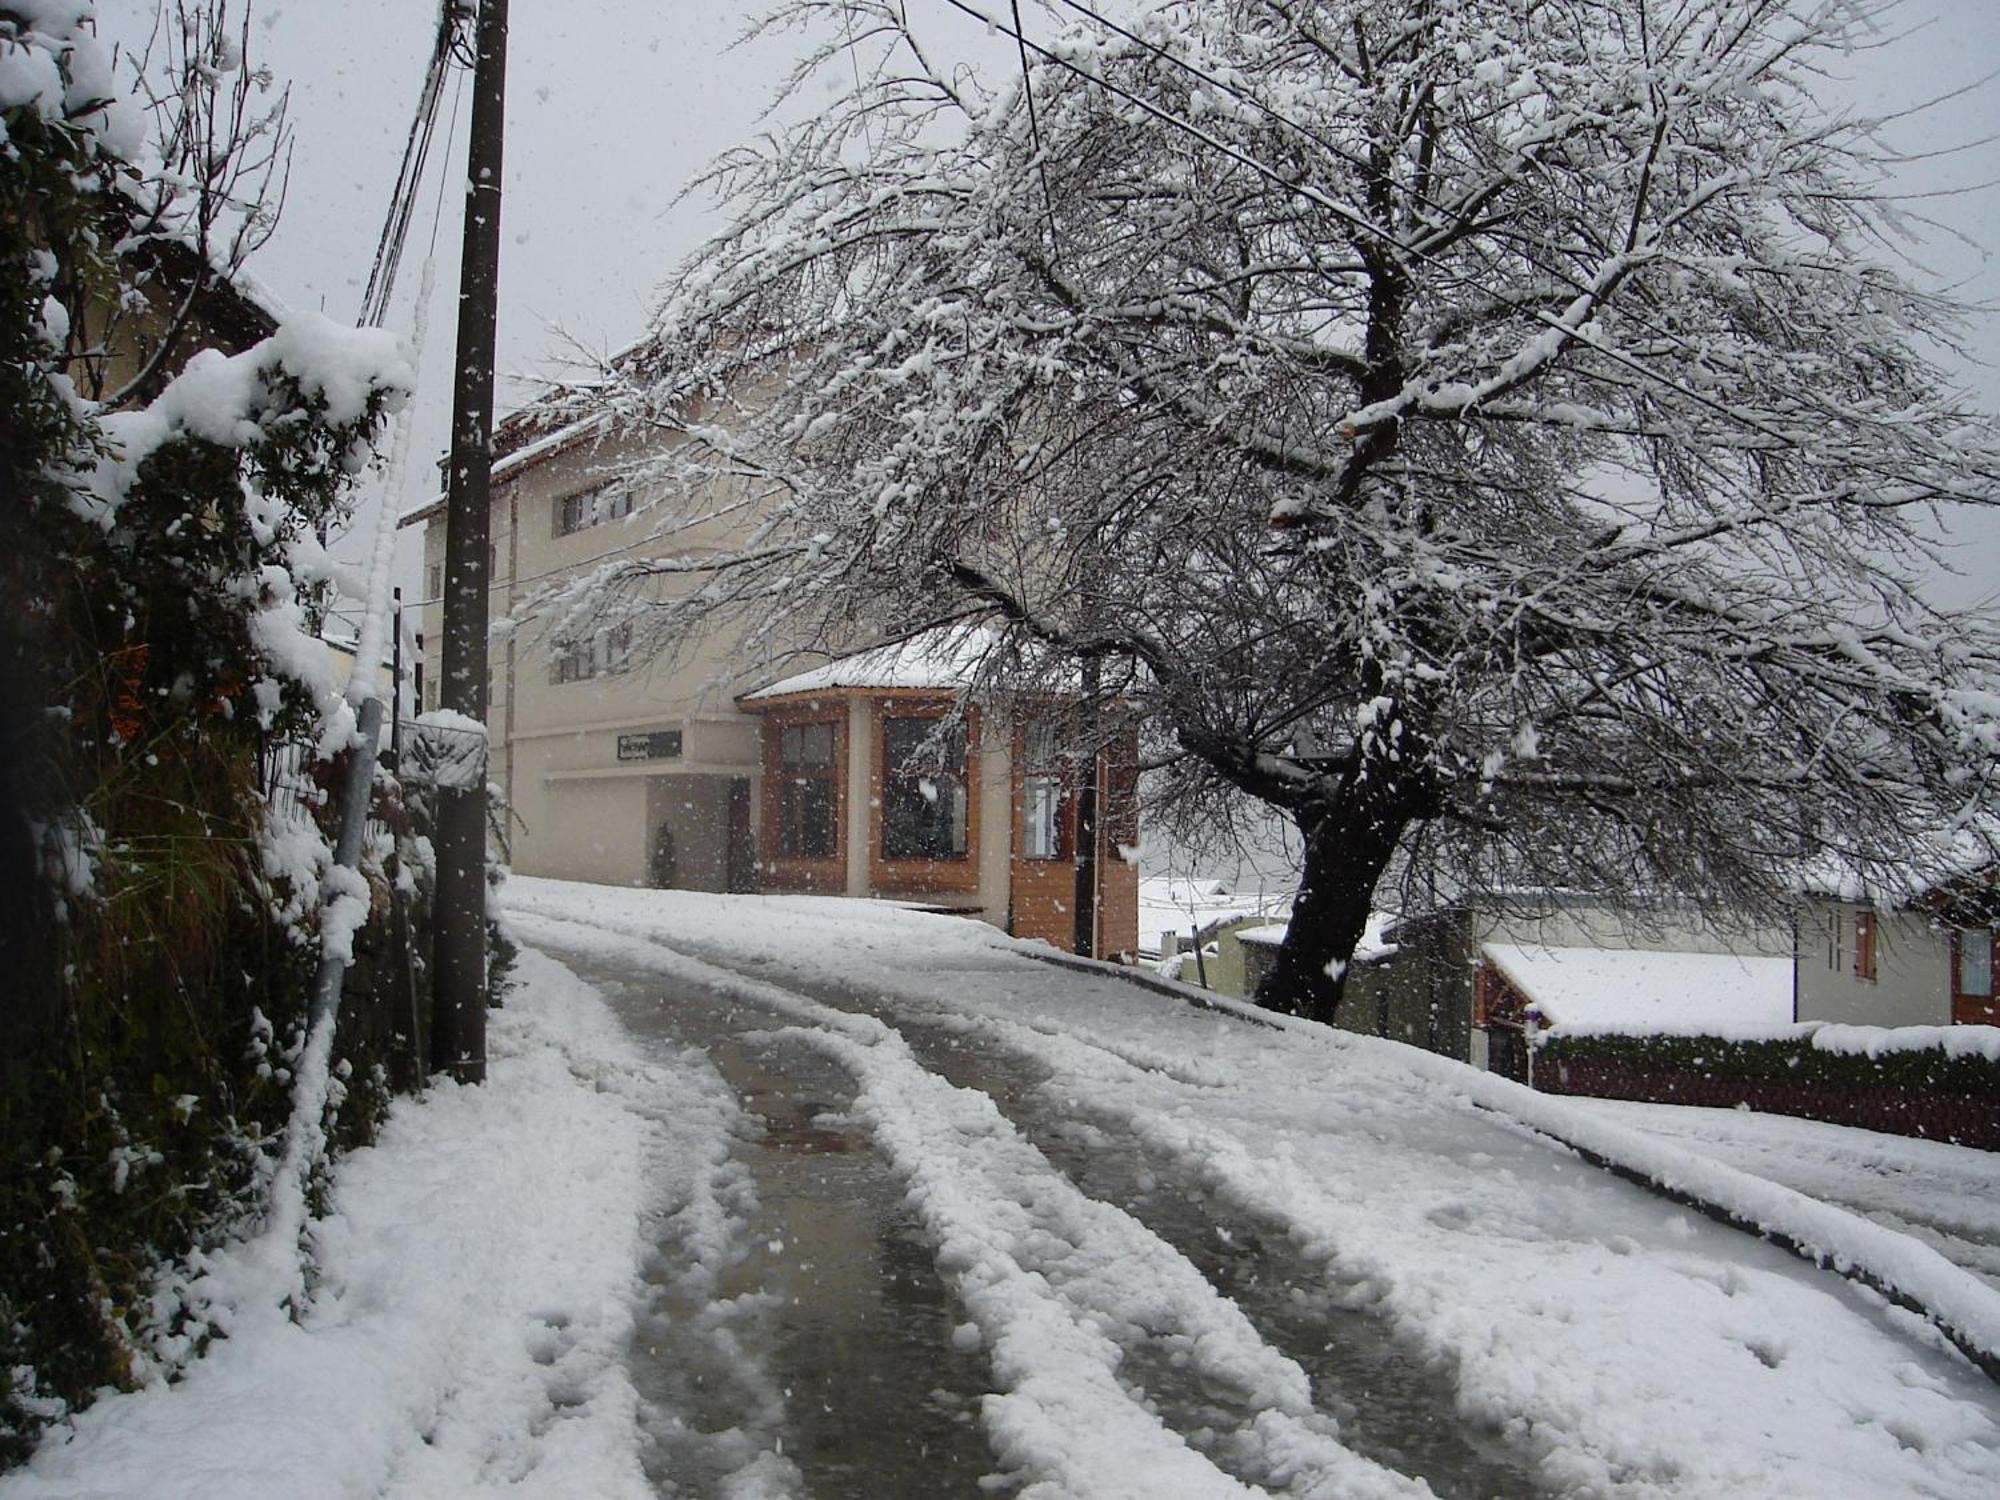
[
  {"x": 1836, "y": 940},
  {"x": 809, "y": 792},
  {"x": 593, "y": 507},
  {"x": 599, "y": 655},
  {"x": 437, "y": 581},
  {"x": 1864, "y": 945},
  {"x": 923, "y": 789},
  {"x": 1041, "y": 791},
  {"x": 1975, "y": 962}
]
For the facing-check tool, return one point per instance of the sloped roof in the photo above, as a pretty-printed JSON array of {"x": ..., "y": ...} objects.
[
  {"x": 1643, "y": 991},
  {"x": 946, "y": 660},
  {"x": 1167, "y": 904}
]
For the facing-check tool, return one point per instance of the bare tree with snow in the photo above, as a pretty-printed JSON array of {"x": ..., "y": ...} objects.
[{"x": 1502, "y": 436}]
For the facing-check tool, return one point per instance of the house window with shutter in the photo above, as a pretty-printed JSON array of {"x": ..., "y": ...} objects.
[
  {"x": 593, "y": 507},
  {"x": 599, "y": 655}
]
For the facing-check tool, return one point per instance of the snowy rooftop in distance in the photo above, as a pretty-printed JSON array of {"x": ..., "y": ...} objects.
[
  {"x": 1956, "y": 854},
  {"x": 1168, "y": 904},
  {"x": 944, "y": 659},
  {"x": 1373, "y": 945},
  {"x": 1646, "y": 991}
]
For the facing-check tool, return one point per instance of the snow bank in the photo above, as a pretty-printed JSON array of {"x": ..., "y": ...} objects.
[
  {"x": 476, "y": 1275},
  {"x": 1833, "y": 1236}
]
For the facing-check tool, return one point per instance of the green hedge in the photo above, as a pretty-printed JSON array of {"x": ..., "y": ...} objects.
[{"x": 1787, "y": 1060}]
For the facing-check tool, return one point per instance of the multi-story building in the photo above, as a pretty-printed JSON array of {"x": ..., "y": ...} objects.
[{"x": 873, "y": 775}]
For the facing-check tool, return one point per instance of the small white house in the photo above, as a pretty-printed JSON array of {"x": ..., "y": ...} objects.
[{"x": 1907, "y": 966}]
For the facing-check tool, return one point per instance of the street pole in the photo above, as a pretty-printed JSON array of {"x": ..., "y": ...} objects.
[{"x": 458, "y": 1023}]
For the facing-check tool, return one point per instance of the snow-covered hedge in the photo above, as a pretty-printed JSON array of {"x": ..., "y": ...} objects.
[
  {"x": 161, "y": 682},
  {"x": 1925, "y": 1081},
  {"x": 1959, "y": 1061}
]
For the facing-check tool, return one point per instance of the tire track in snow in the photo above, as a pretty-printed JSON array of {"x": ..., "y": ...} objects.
[{"x": 1062, "y": 1288}]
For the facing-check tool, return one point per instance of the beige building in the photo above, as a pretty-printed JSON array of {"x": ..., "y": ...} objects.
[{"x": 870, "y": 776}]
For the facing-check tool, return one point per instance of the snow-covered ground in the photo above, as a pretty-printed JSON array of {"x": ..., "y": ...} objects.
[
  {"x": 475, "y": 1294},
  {"x": 482, "y": 1266},
  {"x": 1944, "y": 1195},
  {"x": 1630, "y": 1346}
]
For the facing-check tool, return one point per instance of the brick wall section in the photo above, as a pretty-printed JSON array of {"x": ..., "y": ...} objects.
[{"x": 1939, "y": 1117}]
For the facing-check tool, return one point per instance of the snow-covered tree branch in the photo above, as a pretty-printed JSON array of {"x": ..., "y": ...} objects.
[{"x": 1495, "y": 434}]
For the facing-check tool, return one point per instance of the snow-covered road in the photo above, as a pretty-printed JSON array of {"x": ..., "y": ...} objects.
[
  {"x": 1578, "y": 1331},
  {"x": 834, "y": 1199}
]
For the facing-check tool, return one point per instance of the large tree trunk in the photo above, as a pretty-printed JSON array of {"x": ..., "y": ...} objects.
[{"x": 1347, "y": 847}]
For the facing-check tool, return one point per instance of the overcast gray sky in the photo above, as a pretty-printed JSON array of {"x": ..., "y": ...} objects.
[{"x": 613, "y": 105}]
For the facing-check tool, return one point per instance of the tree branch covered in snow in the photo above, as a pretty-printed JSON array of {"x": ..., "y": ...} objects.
[{"x": 1496, "y": 434}]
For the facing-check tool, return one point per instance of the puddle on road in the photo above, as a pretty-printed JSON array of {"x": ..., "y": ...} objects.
[{"x": 832, "y": 1337}]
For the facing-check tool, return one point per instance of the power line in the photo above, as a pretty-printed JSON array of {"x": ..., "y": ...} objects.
[{"x": 409, "y": 177}]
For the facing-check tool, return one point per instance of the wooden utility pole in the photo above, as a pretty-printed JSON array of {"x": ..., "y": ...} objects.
[{"x": 458, "y": 1025}]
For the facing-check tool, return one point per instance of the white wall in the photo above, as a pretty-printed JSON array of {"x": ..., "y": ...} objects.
[{"x": 1912, "y": 986}]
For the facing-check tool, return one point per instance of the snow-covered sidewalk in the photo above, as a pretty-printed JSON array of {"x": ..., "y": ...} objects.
[
  {"x": 1945, "y": 1196},
  {"x": 477, "y": 1275},
  {"x": 1628, "y": 1346}
]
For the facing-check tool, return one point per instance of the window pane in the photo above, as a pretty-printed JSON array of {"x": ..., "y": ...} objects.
[
  {"x": 805, "y": 825},
  {"x": 1975, "y": 961},
  {"x": 909, "y": 745},
  {"x": 923, "y": 807},
  {"x": 1044, "y": 745},
  {"x": 1041, "y": 801},
  {"x": 806, "y": 747}
]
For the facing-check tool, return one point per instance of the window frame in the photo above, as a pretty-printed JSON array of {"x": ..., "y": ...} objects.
[
  {"x": 791, "y": 776},
  {"x": 1043, "y": 771},
  {"x": 1959, "y": 950},
  {"x": 603, "y": 653},
  {"x": 594, "y": 505}
]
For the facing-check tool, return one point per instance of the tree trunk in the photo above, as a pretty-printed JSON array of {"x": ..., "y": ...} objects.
[{"x": 1347, "y": 847}]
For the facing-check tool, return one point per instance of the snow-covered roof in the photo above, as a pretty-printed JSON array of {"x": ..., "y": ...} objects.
[
  {"x": 1167, "y": 904},
  {"x": 519, "y": 458},
  {"x": 1647, "y": 991},
  {"x": 945, "y": 659},
  {"x": 1374, "y": 945}
]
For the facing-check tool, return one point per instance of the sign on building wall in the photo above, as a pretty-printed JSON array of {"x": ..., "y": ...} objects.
[{"x": 655, "y": 744}]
